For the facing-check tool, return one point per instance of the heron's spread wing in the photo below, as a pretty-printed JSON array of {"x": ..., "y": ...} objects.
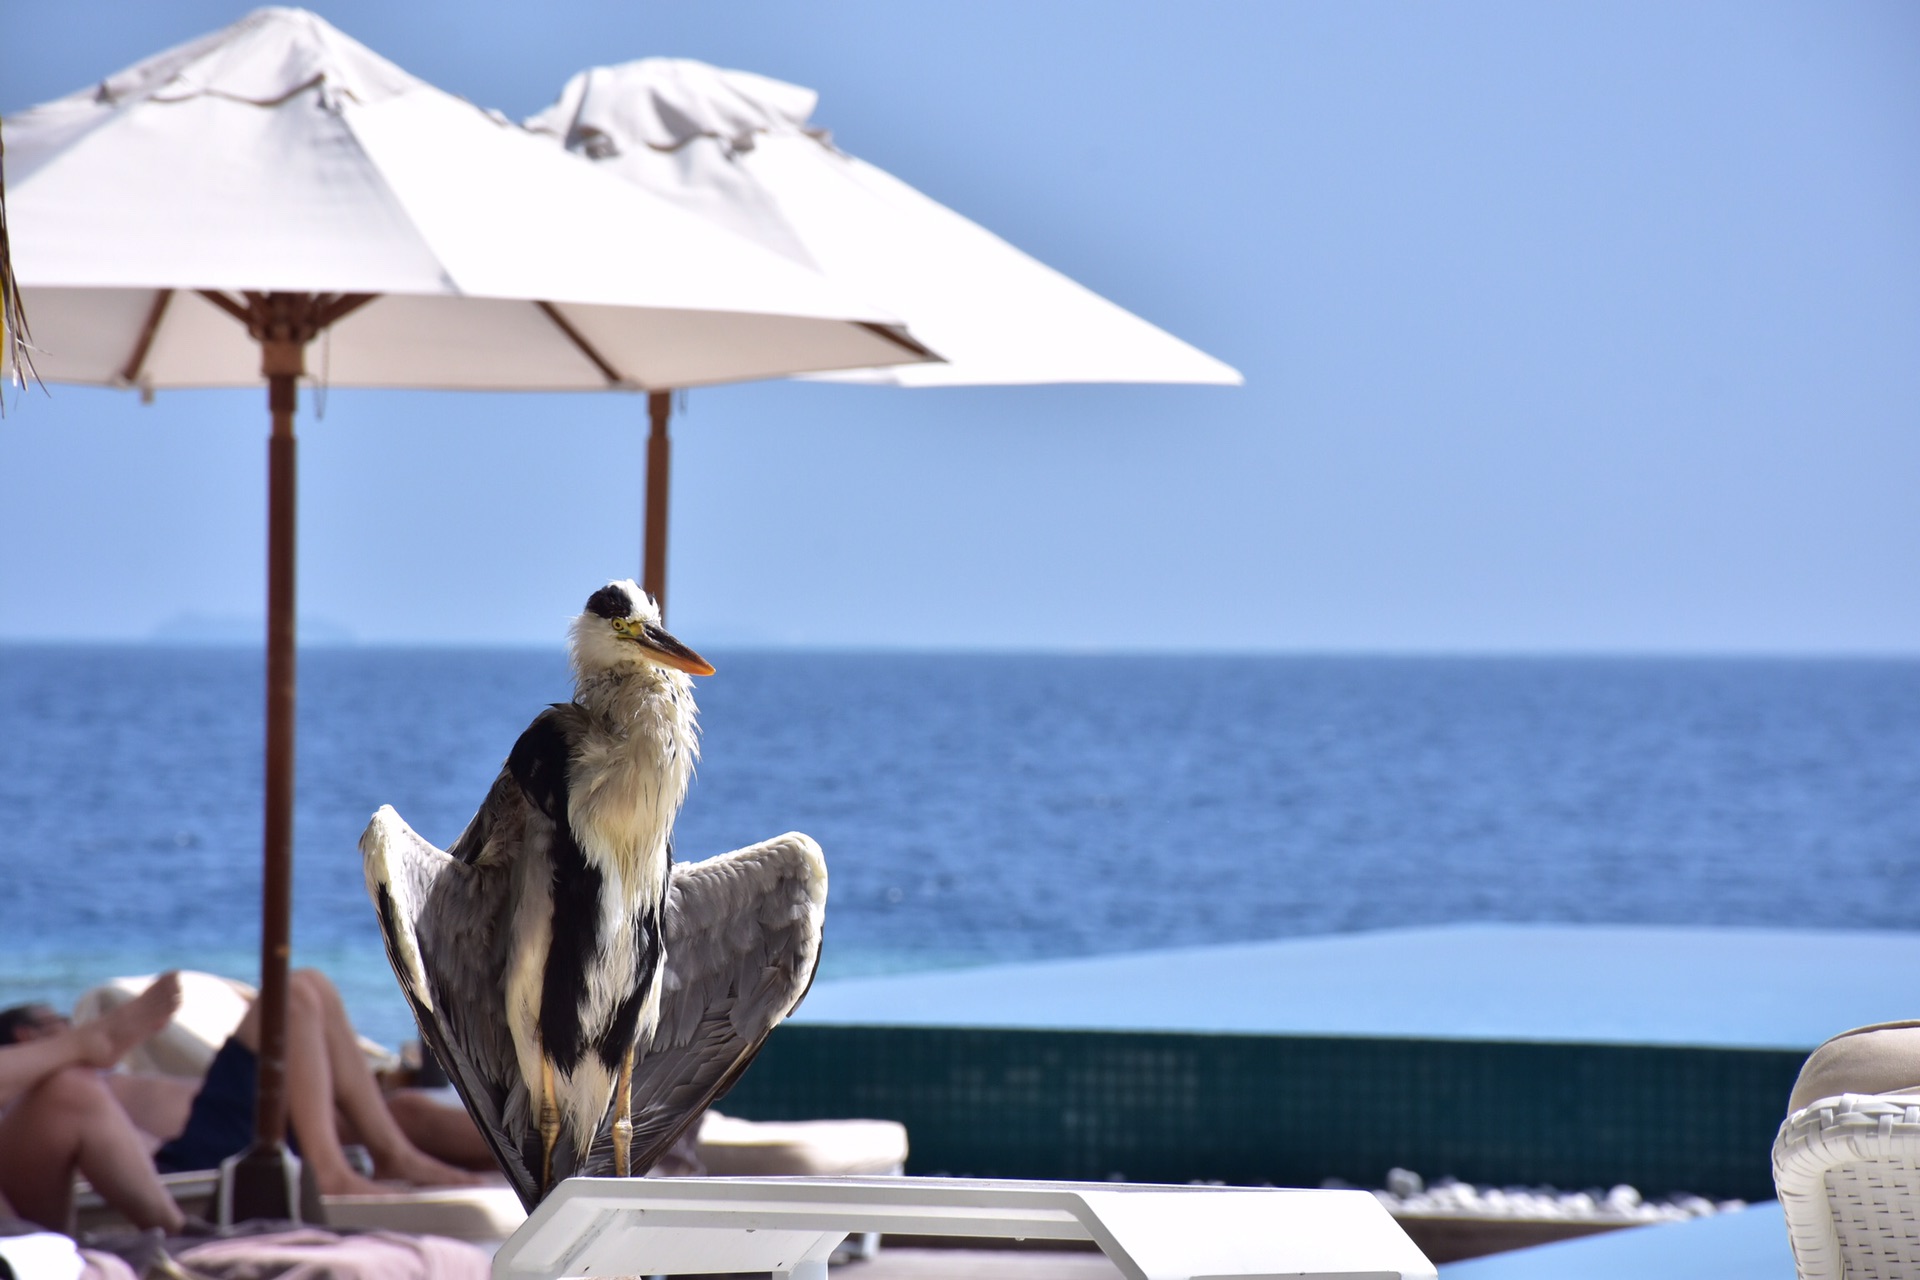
[
  {"x": 743, "y": 940},
  {"x": 444, "y": 923},
  {"x": 448, "y": 919}
]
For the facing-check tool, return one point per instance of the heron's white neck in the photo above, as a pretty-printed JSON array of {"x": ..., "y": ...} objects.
[{"x": 631, "y": 774}]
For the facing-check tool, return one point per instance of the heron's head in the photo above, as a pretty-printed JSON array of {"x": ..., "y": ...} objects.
[{"x": 620, "y": 629}]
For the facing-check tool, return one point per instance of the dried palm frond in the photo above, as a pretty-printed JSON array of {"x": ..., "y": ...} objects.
[{"x": 16, "y": 340}]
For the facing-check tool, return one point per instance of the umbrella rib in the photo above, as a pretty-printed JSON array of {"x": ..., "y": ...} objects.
[
  {"x": 243, "y": 314},
  {"x": 137, "y": 361},
  {"x": 334, "y": 309},
  {"x": 325, "y": 309},
  {"x": 607, "y": 371},
  {"x": 898, "y": 336}
]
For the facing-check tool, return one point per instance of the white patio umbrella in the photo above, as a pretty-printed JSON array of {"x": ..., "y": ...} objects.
[
  {"x": 16, "y": 356},
  {"x": 203, "y": 217},
  {"x": 738, "y": 149}
]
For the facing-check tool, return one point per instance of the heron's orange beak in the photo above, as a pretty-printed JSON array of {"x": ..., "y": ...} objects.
[{"x": 669, "y": 652}]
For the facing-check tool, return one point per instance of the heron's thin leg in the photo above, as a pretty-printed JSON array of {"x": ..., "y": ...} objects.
[
  {"x": 623, "y": 1119},
  {"x": 549, "y": 1122}
]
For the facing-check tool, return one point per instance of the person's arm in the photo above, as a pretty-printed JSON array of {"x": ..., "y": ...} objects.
[{"x": 99, "y": 1043}]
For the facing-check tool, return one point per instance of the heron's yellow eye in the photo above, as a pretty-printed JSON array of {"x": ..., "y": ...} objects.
[{"x": 622, "y": 626}]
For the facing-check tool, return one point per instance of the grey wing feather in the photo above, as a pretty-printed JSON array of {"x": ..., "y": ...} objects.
[
  {"x": 501, "y": 798},
  {"x": 742, "y": 942},
  {"x": 444, "y": 923}
]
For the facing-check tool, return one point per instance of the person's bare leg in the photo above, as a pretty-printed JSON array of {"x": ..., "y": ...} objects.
[
  {"x": 70, "y": 1120},
  {"x": 115, "y": 1033},
  {"x": 310, "y": 1092},
  {"x": 360, "y": 1100},
  {"x": 444, "y": 1131},
  {"x": 325, "y": 1070}
]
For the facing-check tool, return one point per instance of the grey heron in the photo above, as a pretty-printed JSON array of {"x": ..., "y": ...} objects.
[{"x": 588, "y": 997}]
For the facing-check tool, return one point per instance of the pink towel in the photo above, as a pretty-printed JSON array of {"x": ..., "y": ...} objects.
[{"x": 311, "y": 1253}]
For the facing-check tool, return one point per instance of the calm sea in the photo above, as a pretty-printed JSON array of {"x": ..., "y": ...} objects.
[{"x": 977, "y": 808}]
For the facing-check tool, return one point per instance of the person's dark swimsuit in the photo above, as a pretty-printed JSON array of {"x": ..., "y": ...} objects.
[{"x": 221, "y": 1122}]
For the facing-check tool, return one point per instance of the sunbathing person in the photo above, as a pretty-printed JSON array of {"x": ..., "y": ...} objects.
[
  {"x": 57, "y": 1114},
  {"x": 330, "y": 1093}
]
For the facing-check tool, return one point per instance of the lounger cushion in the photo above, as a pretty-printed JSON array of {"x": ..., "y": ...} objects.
[
  {"x": 210, "y": 1008},
  {"x": 482, "y": 1214},
  {"x": 731, "y": 1147},
  {"x": 1882, "y": 1058}
]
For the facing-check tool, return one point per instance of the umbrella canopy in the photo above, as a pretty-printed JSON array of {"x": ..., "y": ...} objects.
[
  {"x": 280, "y": 175},
  {"x": 738, "y": 149},
  {"x": 279, "y": 155}
]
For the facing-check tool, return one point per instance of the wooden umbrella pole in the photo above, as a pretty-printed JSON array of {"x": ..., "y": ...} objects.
[
  {"x": 265, "y": 1182},
  {"x": 282, "y": 656},
  {"x": 653, "y": 567}
]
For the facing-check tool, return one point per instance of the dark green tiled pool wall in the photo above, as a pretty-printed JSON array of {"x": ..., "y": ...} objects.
[{"x": 1290, "y": 1111}]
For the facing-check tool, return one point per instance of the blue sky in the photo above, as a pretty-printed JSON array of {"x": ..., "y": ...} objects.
[{"x": 1566, "y": 327}]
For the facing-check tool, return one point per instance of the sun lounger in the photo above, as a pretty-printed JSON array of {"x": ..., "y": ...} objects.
[
  {"x": 482, "y": 1215},
  {"x": 193, "y": 1191},
  {"x": 731, "y": 1147},
  {"x": 789, "y": 1226},
  {"x": 1847, "y": 1159},
  {"x": 1848, "y": 1172}
]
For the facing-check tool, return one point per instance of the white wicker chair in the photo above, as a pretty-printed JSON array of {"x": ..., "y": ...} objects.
[{"x": 1848, "y": 1172}]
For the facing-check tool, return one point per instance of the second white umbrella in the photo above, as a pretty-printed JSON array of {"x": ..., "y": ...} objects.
[{"x": 740, "y": 150}]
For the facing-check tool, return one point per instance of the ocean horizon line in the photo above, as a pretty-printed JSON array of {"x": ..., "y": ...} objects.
[{"x": 333, "y": 639}]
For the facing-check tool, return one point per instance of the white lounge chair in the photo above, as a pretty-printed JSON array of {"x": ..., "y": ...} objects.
[
  {"x": 1847, "y": 1159},
  {"x": 789, "y": 1226},
  {"x": 1848, "y": 1172}
]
